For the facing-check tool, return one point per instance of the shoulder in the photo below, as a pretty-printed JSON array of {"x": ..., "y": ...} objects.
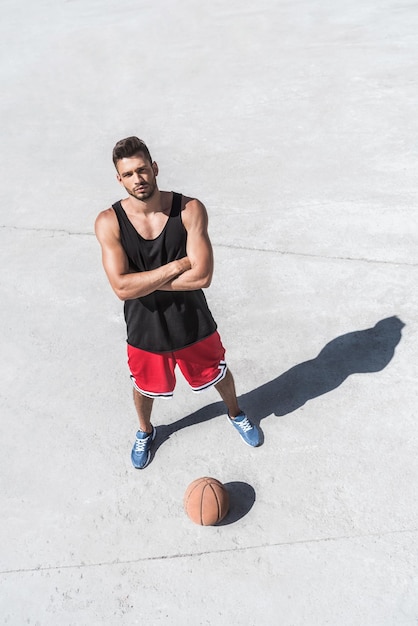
[
  {"x": 106, "y": 224},
  {"x": 193, "y": 212}
]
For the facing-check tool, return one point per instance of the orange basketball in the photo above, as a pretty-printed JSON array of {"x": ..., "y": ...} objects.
[{"x": 206, "y": 501}]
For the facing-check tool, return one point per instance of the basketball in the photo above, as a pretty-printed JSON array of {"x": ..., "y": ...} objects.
[{"x": 206, "y": 501}]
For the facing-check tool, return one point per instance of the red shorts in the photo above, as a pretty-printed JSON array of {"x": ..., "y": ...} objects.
[{"x": 202, "y": 365}]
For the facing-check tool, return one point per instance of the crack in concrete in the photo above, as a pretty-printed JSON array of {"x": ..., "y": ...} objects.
[
  {"x": 171, "y": 557},
  {"x": 317, "y": 256},
  {"x": 49, "y": 231},
  {"x": 61, "y": 231}
]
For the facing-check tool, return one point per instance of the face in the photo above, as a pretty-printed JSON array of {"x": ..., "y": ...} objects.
[{"x": 138, "y": 176}]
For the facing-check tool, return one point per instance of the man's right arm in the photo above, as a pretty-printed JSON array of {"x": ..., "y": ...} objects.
[{"x": 125, "y": 284}]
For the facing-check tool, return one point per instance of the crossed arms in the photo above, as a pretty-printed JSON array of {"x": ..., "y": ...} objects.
[{"x": 193, "y": 271}]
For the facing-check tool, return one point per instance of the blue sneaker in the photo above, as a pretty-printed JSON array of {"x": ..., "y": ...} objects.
[
  {"x": 249, "y": 433},
  {"x": 141, "y": 452}
]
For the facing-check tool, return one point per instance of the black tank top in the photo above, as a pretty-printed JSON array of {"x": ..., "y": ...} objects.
[{"x": 162, "y": 321}]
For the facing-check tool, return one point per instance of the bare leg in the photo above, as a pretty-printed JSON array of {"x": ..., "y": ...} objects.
[
  {"x": 226, "y": 389},
  {"x": 249, "y": 433},
  {"x": 143, "y": 406}
]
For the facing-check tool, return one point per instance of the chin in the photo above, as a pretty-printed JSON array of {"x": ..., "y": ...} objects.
[{"x": 146, "y": 195}]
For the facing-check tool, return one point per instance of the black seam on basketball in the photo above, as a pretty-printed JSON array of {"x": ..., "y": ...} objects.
[
  {"x": 201, "y": 505},
  {"x": 218, "y": 517}
]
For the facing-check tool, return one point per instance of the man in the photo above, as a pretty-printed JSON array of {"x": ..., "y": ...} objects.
[{"x": 158, "y": 257}]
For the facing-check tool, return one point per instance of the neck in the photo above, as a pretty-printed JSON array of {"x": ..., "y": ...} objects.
[{"x": 153, "y": 204}]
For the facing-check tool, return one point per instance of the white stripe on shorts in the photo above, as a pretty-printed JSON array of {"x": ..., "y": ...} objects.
[
  {"x": 150, "y": 394},
  {"x": 222, "y": 373}
]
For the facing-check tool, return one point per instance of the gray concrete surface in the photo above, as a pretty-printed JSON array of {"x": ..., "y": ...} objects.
[{"x": 295, "y": 122}]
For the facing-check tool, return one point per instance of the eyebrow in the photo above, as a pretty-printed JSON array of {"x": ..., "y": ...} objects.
[{"x": 130, "y": 172}]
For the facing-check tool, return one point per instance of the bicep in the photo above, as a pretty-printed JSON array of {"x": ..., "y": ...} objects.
[
  {"x": 115, "y": 262},
  {"x": 114, "y": 259}
]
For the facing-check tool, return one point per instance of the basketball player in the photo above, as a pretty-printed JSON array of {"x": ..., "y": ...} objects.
[{"x": 157, "y": 255}]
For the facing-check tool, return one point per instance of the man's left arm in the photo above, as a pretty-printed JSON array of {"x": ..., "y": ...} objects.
[{"x": 198, "y": 250}]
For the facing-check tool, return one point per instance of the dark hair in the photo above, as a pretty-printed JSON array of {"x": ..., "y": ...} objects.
[{"x": 129, "y": 147}]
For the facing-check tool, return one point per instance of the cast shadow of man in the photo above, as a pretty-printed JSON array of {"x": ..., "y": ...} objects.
[{"x": 362, "y": 351}]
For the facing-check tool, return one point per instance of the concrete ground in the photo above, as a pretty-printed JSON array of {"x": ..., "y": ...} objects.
[{"x": 295, "y": 122}]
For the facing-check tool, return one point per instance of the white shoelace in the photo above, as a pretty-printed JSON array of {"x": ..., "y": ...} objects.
[
  {"x": 140, "y": 444},
  {"x": 245, "y": 425}
]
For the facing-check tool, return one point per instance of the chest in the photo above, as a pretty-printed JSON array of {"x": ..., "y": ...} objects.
[
  {"x": 150, "y": 226},
  {"x": 150, "y": 244}
]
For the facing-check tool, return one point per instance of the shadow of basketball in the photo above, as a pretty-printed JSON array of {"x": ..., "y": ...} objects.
[{"x": 241, "y": 500}]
